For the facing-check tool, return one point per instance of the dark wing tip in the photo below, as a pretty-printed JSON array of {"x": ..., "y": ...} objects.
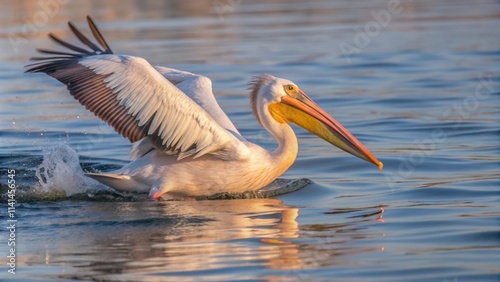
[
  {"x": 84, "y": 39},
  {"x": 98, "y": 36},
  {"x": 68, "y": 45},
  {"x": 80, "y": 52}
]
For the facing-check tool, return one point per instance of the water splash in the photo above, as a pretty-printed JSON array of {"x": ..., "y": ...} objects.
[
  {"x": 60, "y": 172},
  {"x": 61, "y": 177}
]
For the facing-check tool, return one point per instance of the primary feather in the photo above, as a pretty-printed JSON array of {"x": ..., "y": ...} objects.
[{"x": 141, "y": 101}]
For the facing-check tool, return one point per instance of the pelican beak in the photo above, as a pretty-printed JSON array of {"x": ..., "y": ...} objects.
[{"x": 304, "y": 112}]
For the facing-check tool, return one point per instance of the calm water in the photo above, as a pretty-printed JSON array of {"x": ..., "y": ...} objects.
[{"x": 420, "y": 88}]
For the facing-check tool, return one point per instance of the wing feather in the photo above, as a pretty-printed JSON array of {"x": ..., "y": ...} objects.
[
  {"x": 97, "y": 34},
  {"x": 199, "y": 89},
  {"x": 136, "y": 100},
  {"x": 84, "y": 39}
]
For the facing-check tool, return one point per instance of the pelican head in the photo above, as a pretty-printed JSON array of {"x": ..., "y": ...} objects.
[{"x": 277, "y": 100}]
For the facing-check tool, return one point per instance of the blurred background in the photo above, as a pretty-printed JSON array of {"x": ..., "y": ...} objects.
[{"x": 416, "y": 81}]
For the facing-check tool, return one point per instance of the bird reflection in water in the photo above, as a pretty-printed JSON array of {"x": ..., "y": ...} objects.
[{"x": 179, "y": 239}]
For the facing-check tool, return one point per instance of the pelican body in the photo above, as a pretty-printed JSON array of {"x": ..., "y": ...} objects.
[{"x": 184, "y": 145}]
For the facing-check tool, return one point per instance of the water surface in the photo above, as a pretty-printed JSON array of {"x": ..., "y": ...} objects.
[{"x": 421, "y": 92}]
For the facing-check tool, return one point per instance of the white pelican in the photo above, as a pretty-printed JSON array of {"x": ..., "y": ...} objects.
[{"x": 185, "y": 145}]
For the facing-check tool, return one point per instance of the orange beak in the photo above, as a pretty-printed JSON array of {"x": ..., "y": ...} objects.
[{"x": 304, "y": 112}]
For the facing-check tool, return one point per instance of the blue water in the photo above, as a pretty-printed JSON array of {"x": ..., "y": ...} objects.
[{"x": 420, "y": 88}]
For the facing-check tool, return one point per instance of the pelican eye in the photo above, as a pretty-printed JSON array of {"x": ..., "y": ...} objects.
[{"x": 290, "y": 89}]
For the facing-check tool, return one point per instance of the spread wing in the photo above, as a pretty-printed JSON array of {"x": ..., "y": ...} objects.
[
  {"x": 199, "y": 89},
  {"x": 135, "y": 99}
]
